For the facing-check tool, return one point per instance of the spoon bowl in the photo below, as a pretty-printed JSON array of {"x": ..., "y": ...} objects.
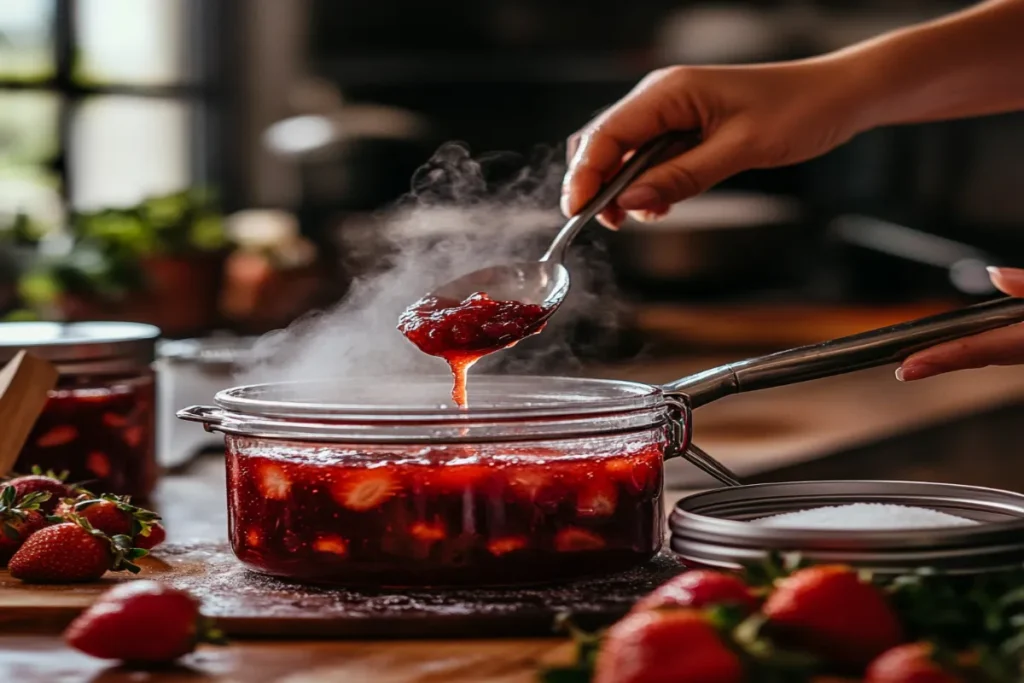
[{"x": 542, "y": 283}]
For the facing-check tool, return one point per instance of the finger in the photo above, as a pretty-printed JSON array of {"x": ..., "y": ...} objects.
[
  {"x": 1004, "y": 346},
  {"x": 1008, "y": 280},
  {"x": 612, "y": 217},
  {"x": 604, "y": 142},
  {"x": 571, "y": 146},
  {"x": 652, "y": 215},
  {"x": 689, "y": 174}
]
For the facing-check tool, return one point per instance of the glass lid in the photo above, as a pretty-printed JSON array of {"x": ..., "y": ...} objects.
[{"x": 428, "y": 399}]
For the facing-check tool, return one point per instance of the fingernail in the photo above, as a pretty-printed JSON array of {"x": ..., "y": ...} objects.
[
  {"x": 638, "y": 197},
  {"x": 563, "y": 204},
  {"x": 915, "y": 371},
  {"x": 646, "y": 216}
]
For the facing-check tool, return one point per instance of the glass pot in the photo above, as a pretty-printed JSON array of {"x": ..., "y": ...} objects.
[
  {"x": 543, "y": 478},
  {"x": 99, "y": 422},
  {"x": 383, "y": 482}
]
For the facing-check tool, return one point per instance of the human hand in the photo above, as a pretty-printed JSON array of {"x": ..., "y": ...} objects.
[
  {"x": 749, "y": 116},
  {"x": 1004, "y": 346}
]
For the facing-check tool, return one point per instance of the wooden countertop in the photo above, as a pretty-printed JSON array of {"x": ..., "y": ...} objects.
[{"x": 753, "y": 434}]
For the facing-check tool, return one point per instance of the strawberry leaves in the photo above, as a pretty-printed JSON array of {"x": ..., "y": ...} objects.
[
  {"x": 122, "y": 550},
  {"x": 12, "y": 510},
  {"x": 142, "y": 520},
  {"x": 586, "y": 645}
]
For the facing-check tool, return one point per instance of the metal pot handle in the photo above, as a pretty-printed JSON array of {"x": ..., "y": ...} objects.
[
  {"x": 208, "y": 416},
  {"x": 847, "y": 354}
]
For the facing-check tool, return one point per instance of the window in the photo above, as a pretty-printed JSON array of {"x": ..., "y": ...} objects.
[{"x": 103, "y": 102}]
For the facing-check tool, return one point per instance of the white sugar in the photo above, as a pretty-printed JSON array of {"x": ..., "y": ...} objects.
[{"x": 864, "y": 517}]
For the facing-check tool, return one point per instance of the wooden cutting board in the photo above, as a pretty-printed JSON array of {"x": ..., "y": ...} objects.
[{"x": 248, "y": 604}]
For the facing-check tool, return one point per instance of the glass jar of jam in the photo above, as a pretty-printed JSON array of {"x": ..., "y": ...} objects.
[
  {"x": 384, "y": 484},
  {"x": 99, "y": 423}
]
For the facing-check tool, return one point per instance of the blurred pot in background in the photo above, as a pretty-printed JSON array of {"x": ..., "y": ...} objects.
[
  {"x": 717, "y": 242},
  {"x": 349, "y": 156},
  {"x": 273, "y": 276}
]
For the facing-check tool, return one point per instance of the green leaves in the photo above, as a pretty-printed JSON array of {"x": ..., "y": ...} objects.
[
  {"x": 587, "y": 645},
  {"x": 108, "y": 245}
]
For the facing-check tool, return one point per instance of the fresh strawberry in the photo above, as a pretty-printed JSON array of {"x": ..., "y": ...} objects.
[
  {"x": 141, "y": 622},
  {"x": 667, "y": 646},
  {"x": 597, "y": 498},
  {"x": 113, "y": 515},
  {"x": 151, "y": 539},
  {"x": 71, "y": 552},
  {"x": 912, "y": 663},
  {"x": 366, "y": 489},
  {"x": 46, "y": 482},
  {"x": 273, "y": 481},
  {"x": 701, "y": 588},
  {"x": 831, "y": 612},
  {"x": 573, "y": 539},
  {"x": 19, "y": 519}
]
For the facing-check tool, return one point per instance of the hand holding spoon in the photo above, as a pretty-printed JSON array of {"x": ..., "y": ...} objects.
[{"x": 545, "y": 282}]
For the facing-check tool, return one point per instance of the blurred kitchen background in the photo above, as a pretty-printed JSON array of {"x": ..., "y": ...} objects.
[{"x": 203, "y": 164}]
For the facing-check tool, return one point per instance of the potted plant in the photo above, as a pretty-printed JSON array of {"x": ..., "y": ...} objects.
[{"x": 160, "y": 262}]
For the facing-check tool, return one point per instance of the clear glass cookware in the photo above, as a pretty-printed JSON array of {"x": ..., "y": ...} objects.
[{"x": 382, "y": 482}]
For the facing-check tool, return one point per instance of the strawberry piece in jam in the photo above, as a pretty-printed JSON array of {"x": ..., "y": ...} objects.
[{"x": 462, "y": 332}]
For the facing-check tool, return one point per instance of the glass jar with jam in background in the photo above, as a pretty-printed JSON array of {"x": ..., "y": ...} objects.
[{"x": 99, "y": 423}]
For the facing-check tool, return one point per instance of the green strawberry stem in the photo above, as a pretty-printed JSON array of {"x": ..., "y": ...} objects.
[
  {"x": 121, "y": 547},
  {"x": 13, "y": 510},
  {"x": 142, "y": 519}
]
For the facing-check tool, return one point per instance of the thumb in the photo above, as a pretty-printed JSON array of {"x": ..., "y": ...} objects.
[
  {"x": 720, "y": 156},
  {"x": 1008, "y": 280}
]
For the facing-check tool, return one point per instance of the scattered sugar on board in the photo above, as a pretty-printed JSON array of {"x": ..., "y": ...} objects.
[{"x": 864, "y": 517}]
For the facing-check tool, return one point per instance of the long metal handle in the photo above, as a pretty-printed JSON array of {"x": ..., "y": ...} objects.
[
  {"x": 664, "y": 146},
  {"x": 839, "y": 356}
]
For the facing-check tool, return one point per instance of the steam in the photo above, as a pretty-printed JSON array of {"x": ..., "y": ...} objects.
[{"x": 462, "y": 213}]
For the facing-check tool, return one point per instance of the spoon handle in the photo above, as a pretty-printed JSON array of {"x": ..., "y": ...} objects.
[{"x": 646, "y": 156}]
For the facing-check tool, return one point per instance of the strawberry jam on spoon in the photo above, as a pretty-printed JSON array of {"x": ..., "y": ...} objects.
[{"x": 462, "y": 332}]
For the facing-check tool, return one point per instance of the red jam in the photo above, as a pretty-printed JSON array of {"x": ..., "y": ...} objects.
[
  {"x": 462, "y": 332},
  {"x": 103, "y": 435},
  {"x": 437, "y": 517}
]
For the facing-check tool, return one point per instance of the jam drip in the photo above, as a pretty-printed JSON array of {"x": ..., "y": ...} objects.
[
  {"x": 436, "y": 518},
  {"x": 462, "y": 332}
]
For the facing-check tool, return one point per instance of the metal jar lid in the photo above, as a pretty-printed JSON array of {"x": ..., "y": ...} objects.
[
  {"x": 82, "y": 348},
  {"x": 713, "y": 528},
  {"x": 211, "y": 354}
]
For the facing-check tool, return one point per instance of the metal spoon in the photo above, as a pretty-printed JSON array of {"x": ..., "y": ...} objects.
[{"x": 546, "y": 282}]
